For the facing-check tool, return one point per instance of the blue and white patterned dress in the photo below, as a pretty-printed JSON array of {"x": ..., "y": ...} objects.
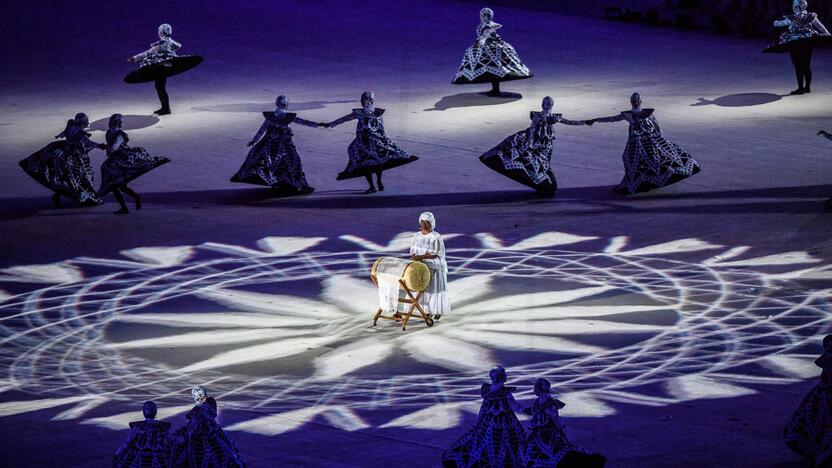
[
  {"x": 274, "y": 160},
  {"x": 147, "y": 446},
  {"x": 371, "y": 150},
  {"x": 650, "y": 161},
  {"x": 526, "y": 156},
  {"x": 494, "y": 61},
  {"x": 125, "y": 163},
  {"x": 64, "y": 167}
]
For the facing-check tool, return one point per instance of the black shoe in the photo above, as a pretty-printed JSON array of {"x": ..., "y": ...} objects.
[
  {"x": 370, "y": 190},
  {"x": 380, "y": 187},
  {"x": 807, "y": 90},
  {"x": 437, "y": 316},
  {"x": 796, "y": 92},
  {"x": 121, "y": 211},
  {"x": 138, "y": 203},
  {"x": 56, "y": 200},
  {"x": 162, "y": 111}
]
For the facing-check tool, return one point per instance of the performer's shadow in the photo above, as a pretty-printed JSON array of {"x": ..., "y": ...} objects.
[
  {"x": 244, "y": 107},
  {"x": 739, "y": 100},
  {"x": 473, "y": 100},
  {"x": 129, "y": 122}
]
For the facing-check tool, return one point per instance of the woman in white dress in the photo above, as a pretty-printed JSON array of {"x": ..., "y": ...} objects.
[{"x": 427, "y": 247}]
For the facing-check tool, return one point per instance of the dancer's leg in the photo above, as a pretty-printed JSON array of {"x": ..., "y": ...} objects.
[
  {"x": 135, "y": 196},
  {"x": 120, "y": 200},
  {"x": 164, "y": 99},
  {"x": 372, "y": 188},
  {"x": 807, "y": 69},
  {"x": 797, "y": 62},
  {"x": 378, "y": 180}
]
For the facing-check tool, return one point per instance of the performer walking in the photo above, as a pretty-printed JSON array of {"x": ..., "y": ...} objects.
[
  {"x": 650, "y": 161},
  {"x": 201, "y": 441},
  {"x": 809, "y": 431},
  {"x": 159, "y": 63},
  {"x": 497, "y": 436},
  {"x": 526, "y": 156},
  {"x": 371, "y": 152},
  {"x": 273, "y": 159},
  {"x": 63, "y": 166},
  {"x": 804, "y": 34},
  {"x": 490, "y": 59},
  {"x": 827, "y": 135},
  {"x": 148, "y": 444},
  {"x": 124, "y": 164},
  {"x": 547, "y": 445},
  {"x": 427, "y": 247}
]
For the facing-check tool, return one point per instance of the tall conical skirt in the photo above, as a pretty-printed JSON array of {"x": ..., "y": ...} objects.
[
  {"x": 529, "y": 166},
  {"x": 496, "y": 60},
  {"x": 372, "y": 152},
  {"x": 652, "y": 162},
  {"x": 170, "y": 67},
  {"x": 275, "y": 163},
  {"x": 495, "y": 440},
  {"x": 809, "y": 431},
  {"x": 125, "y": 165},
  {"x": 64, "y": 168}
]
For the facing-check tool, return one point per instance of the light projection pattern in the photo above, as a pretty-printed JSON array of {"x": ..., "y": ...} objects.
[{"x": 284, "y": 330}]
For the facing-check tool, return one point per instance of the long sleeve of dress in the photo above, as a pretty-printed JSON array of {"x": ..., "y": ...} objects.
[
  {"x": 346, "y": 118},
  {"x": 820, "y": 27},
  {"x": 304, "y": 122},
  {"x": 260, "y": 132},
  {"x": 782, "y": 23},
  {"x": 141, "y": 56},
  {"x": 614, "y": 118},
  {"x": 571, "y": 122},
  {"x": 117, "y": 142},
  {"x": 656, "y": 124}
]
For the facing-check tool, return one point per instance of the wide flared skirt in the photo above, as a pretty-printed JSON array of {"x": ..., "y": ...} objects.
[
  {"x": 64, "y": 169},
  {"x": 214, "y": 449},
  {"x": 274, "y": 163},
  {"x": 529, "y": 166},
  {"x": 494, "y": 441},
  {"x": 651, "y": 162},
  {"x": 168, "y": 68},
  {"x": 373, "y": 153},
  {"x": 126, "y": 165},
  {"x": 813, "y": 42}
]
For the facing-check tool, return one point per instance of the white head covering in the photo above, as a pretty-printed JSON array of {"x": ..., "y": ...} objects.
[
  {"x": 198, "y": 393},
  {"x": 165, "y": 29},
  {"x": 428, "y": 216}
]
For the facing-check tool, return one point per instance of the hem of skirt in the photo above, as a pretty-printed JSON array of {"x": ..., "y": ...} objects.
[
  {"x": 103, "y": 190},
  {"x": 490, "y": 78},
  {"x": 648, "y": 186},
  {"x": 344, "y": 175},
  {"x": 548, "y": 188}
]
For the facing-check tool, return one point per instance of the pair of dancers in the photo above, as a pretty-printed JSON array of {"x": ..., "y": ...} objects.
[
  {"x": 499, "y": 439},
  {"x": 201, "y": 442},
  {"x": 64, "y": 166},
  {"x": 274, "y": 161},
  {"x": 650, "y": 161}
]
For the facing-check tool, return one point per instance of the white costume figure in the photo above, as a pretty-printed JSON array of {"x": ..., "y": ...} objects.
[{"x": 428, "y": 248}]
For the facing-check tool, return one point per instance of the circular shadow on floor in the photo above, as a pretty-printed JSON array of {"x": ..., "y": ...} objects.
[
  {"x": 245, "y": 107},
  {"x": 740, "y": 100},
  {"x": 129, "y": 122},
  {"x": 473, "y": 100}
]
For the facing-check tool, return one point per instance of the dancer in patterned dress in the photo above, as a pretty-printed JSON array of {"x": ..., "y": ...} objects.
[
  {"x": 650, "y": 161},
  {"x": 497, "y": 438},
  {"x": 827, "y": 135},
  {"x": 274, "y": 160},
  {"x": 804, "y": 34},
  {"x": 809, "y": 432},
  {"x": 526, "y": 156},
  {"x": 427, "y": 247},
  {"x": 159, "y": 63},
  {"x": 547, "y": 445},
  {"x": 124, "y": 163},
  {"x": 201, "y": 441},
  {"x": 371, "y": 152},
  {"x": 63, "y": 166},
  {"x": 490, "y": 59},
  {"x": 148, "y": 445}
]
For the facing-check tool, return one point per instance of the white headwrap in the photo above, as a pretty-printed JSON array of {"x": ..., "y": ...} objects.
[
  {"x": 428, "y": 216},
  {"x": 198, "y": 393},
  {"x": 165, "y": 29}
]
